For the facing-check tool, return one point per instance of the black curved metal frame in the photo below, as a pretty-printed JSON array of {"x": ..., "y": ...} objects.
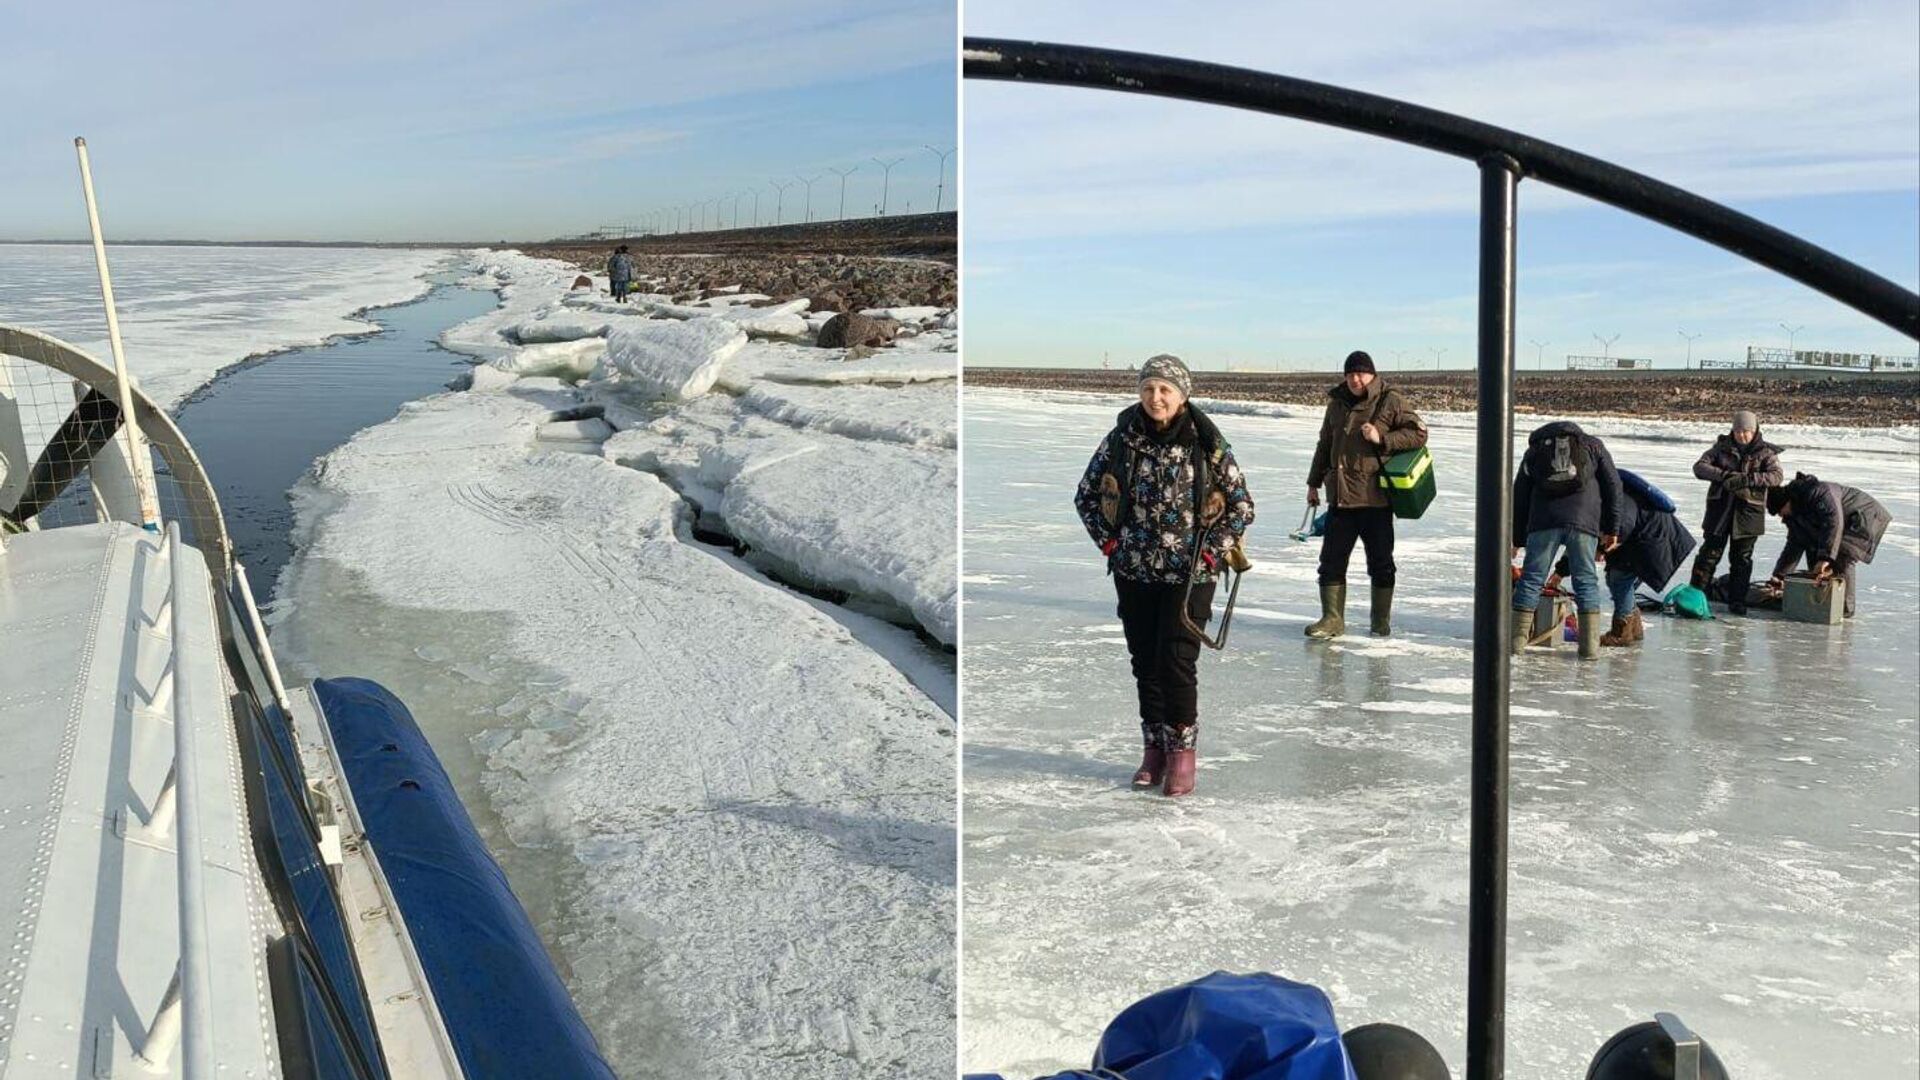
[{"x": 1504, "y": 159}]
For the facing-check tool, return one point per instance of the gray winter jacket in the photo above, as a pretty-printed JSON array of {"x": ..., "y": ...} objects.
[
  {"x": 1738, "y": 507},
  {"x": 620, "y": 267},
  {"x": 1831, "y": 523}
]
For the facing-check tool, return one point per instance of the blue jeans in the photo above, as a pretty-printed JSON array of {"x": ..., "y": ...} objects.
[
  {"x": 1622, "y": 584},
  {"x": 1543, "y": 547}
]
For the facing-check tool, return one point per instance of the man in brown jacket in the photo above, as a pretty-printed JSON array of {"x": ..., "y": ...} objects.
[{"x": 1367, "y": 421}]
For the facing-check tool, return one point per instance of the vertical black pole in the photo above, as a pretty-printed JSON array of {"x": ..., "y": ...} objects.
[{"x": 1492, "y": 593}]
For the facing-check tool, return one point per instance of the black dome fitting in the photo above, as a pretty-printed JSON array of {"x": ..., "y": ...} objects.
[
  {"x": 1391, "y": 1052},
  {"x": 1645, "y": 1052}
]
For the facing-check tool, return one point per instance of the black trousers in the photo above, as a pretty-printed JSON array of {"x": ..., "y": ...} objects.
[
  {"x": 1164, "y": 654},
  {"x": 1370, "y": 525},
  {"x": 1739, "y": 567}
]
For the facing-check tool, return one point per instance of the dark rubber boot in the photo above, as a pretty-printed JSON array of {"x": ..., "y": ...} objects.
[
  {"x": 1180, "y": 768},
  {"x": 1382, "y": 613},
  {"x": 1152, "y": 763},
  {"x": 1333, "y": 613},
  {"x": 1522, "y": 622},
  {"x": 1590, "y": 634}
]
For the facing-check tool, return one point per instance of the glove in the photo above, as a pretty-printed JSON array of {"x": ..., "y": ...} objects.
[
  {"x": 1212, "y": 560},
  {"x": 1110, "y": 545},
  {"x": 1313, "y": 496},
  {"x": 1735, "y": 482}
]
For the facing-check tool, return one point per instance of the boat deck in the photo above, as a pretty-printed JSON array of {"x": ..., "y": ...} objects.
[{"x": 88, "y": 839}]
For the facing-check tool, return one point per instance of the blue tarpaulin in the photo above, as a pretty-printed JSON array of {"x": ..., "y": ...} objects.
[
  {"x": 504, "y": 1006},
  {"x": 1222, "y": 1027}
]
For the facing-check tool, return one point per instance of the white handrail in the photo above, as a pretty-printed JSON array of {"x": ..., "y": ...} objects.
[
  {"x": 137, "y": 458},
  {"x": 264, "y": 652},
  {"x": 196, "y": 1052}
]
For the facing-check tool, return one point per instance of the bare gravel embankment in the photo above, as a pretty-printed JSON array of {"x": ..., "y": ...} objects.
[{"x": 842, "y": 265}]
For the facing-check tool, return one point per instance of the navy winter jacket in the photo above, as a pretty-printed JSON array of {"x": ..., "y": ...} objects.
[
  {"x": 1594, "y": 508},
  {"x": 1653, "y": 543}
]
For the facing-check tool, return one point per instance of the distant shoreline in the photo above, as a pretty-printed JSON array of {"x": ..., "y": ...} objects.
[
  {"x": 1794, "y": 397},
  {"x": 926, "y": 236}
]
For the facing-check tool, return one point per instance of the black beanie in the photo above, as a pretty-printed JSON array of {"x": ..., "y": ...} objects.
[{"x": 1358, "y": 361}]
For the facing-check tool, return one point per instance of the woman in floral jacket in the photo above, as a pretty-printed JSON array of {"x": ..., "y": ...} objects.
[{"x": 1162, "y": 473}]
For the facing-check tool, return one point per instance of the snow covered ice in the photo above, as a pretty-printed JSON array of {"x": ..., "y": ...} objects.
[
  {"x": 727, "y": 804},
  {"x": 187, "y": 312},
  {"x": 1723, "y": 822}
]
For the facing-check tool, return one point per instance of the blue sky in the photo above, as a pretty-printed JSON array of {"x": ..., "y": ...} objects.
[
  {"x": 485, "y": 119},
  {"x": 1107, "y": 223}
]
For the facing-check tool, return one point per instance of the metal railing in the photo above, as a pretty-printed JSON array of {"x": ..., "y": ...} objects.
[
  {"x": 1503, "y": 158},
  {"x": 184, "y": 1020}
]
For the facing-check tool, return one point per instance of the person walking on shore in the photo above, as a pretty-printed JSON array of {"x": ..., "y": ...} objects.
[
  {"x": 1835, "y": 526},
  {"x": 1162, "y": 485},
  {"x": 1566, "y": 495},
  {"x": 1366, "y": 422},
  {"x": 620, "y": 272},
  {"x": 1738, "y": 468}
]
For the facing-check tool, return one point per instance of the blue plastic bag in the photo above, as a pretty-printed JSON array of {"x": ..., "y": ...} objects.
[
  {"x": 1227, "y": 1027},
  {"x": 1221, "y": 1027},
  {"x": 1689, "y": 603}
]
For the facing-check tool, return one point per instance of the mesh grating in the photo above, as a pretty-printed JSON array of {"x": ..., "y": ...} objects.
[{"x": 63, "y": 449}]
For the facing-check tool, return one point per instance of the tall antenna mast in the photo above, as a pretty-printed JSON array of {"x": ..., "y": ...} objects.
[{"x": 137, "y": 458}]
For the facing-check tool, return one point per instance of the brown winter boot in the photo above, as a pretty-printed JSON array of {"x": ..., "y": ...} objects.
[
  {"x": 1180, "y": 767},
  {"x": 1636, "y": 626},
  {"x": 1621, "y": 633},
  {"x": 1590, "y": 635},
  {"x": 1151, "y": 765},
  {"x": 1333, "y": 613},
  {"x": 1382, "y": 615}
]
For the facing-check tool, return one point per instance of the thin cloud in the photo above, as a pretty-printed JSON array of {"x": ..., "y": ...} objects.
[{"x": 1736, "y": 109}]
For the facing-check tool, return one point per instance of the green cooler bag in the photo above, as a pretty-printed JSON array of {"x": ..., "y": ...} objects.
[{"x": 1408, "y": 478}]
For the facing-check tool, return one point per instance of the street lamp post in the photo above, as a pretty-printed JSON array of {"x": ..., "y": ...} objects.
[
  {"x": 1606, "y": 345},
  {"x": 940, "y": 190},
  {"x": 886, "y": 179},
  {"x": 1691, "y": 338},
  {"x": 756, "y": 208},
  {"x": 1437, "y": 354},
  {"x": 843, "y": 187},
  {"x": 809, "y": 183},
  {"x": 1539, "y": 354},
  {"x": 1791, "y": 331},
  {"x": 780, "y": 204}
]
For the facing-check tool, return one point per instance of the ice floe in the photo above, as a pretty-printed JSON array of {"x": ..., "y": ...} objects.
[
  {"x": 727, "y": 802},
  {"x": 672, "y": 360}
]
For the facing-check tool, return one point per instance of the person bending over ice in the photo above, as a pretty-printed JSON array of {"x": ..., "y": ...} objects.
[
  {"x": 1567, "y": 495},
  {"x": 1835, "y": 526}
]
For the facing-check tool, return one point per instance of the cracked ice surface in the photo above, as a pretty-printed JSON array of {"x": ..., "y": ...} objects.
[
  {"x": 727, "y": 806},
  {"x": 1724, "y": 823},
  {"x": 874, "y": 517}
]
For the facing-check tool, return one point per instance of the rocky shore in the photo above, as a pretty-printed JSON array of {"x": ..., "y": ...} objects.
[
  {"x": 1781, "y": 396},
  {"x": 839, "y": 265}
]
